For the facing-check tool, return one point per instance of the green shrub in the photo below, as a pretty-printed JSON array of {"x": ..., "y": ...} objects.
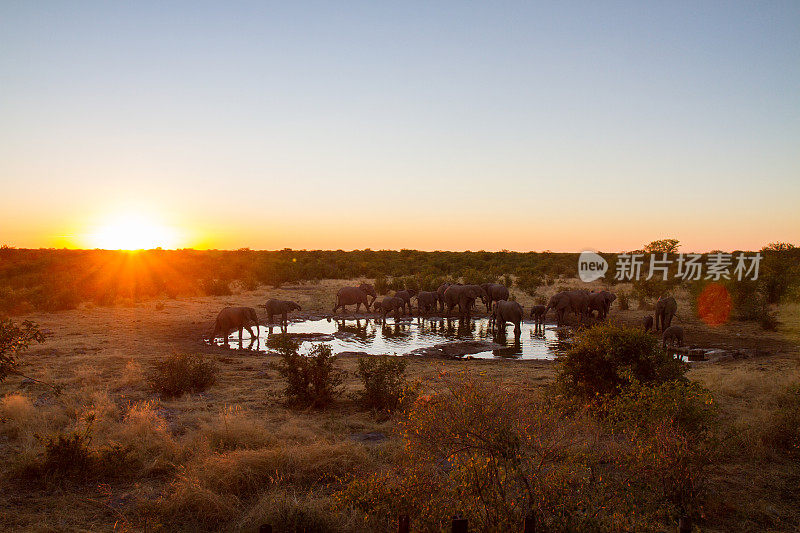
[
  {"x": 624, "y": 301},
  {"x": 15, "y": 339},
  {"x": 472, "y": 276},
  {"x": 670, "y": 429},
  {"x": 529, "y": 281},
  {"x": 686, "y": 405},
  {"x": 384, "y": 381},
  {"x": 215, "y": 287},
  {"x": 311, "y": 380},
  {"x": 181, "y": 373},
  {"x": 62, "y": 300},
  {"x": 608, "y": 357},
  {"x": 490, "y": 454},
  {"x": 783, "y": 430},
  {"x": 381, "y": 285},
  {"x": 68, "y": 455}
]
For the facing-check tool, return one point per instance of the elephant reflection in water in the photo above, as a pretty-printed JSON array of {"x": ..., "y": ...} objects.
[
  {"x": 395, "y": 331},
  {"x": 253, "y": 344},
  {"x": 358, "y": 330},
  {"x": 282, "y": 327},
  {"x": 500, "y": 337},
  {"x": 515, "y": 350}
]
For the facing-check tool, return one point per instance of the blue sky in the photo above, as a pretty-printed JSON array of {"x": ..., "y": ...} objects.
[{"x": 466, "y": 125}]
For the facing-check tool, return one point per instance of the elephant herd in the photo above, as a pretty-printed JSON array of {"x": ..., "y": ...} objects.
[{"x": 582, "y": 303}]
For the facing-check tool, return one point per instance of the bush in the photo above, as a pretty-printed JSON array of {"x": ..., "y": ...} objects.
[
  {"x": 624, "y": 301},
  {"x": 311, "y": 380},
  {"x": 381, "y": 285},
  {"x": 68, "y": 456},
  {"x": 14, "y": 340},
  {"x": 496, "y": 455},
  {"x": 181, "y": 373},
  {"x": 215, "y": 287},
  {"x": 529, "y": 281},
  {"x": 490, "y": 454},
  {"x": 608, "y": 357},
  {"x": 783, "y": 430},
  {"x": 384, "y": 381},
  {"x": 670, "y": 428},
  {"x": 686, "y": 405}
]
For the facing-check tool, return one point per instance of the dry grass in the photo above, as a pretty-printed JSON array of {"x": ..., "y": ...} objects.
[{"x": 235, "y": 456}]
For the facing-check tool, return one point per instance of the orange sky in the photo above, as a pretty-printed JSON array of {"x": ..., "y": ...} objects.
[{"x": 547, "y": 126}]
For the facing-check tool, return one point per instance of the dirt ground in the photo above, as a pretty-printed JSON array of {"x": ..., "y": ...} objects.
[{"x": 98, "y": 351}]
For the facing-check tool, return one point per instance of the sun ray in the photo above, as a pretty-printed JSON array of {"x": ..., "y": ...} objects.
[{"x": 133, "y": 231}]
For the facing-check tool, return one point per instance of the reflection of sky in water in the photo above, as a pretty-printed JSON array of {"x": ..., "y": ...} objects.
[{"x": 369, "y": 336}]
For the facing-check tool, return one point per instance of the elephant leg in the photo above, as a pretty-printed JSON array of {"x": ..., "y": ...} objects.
[{"x": 225, "y": 333}]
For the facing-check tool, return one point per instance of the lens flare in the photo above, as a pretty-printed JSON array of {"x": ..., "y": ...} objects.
[{"x": 714, "y": 304}]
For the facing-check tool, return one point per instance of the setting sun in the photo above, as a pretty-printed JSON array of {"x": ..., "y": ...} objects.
[{"x": 133, "y": 232}]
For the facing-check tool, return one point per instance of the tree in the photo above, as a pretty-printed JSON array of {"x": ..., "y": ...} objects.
[
  {"x": 669, "y": 246},
  {"x": 13, "y": 340},
  {"x": 779, "y": 247}
]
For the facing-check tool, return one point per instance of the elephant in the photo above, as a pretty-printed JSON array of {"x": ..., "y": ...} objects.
[
  {"x": 601, "y": 302},
  {"x": 647, "y": 322},
  {"x": 576, "y": 301},
  {"x": 376, "y": 306},
  {"x": 505, "y": 311},
  {"x": 392, "y": 303},
  {"x": 672, "y": 336},
  {"x": 495, "y": 292},
  {"x": 481, "y": 294},
  {"x": 406, "y": 296},
  {"x": 280, "y": 307},
  {"x": 440, "y": 293},
  {"x": 233, "y": 318},
  {"x": 351, "y": 296},
  {"x": 462, "y": 295},
  {"x": 426, "y": 302},
  {"x": 370, "y": 290},
  {"x": 538, "y": 313},
  {"x": 666, "y": 307}
]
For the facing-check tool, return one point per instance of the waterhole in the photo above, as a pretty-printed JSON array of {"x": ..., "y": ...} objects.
[{"x": 416, "y": 336}]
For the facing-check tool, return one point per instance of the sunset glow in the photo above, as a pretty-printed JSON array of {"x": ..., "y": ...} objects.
[{"x": 133, "y": 232}]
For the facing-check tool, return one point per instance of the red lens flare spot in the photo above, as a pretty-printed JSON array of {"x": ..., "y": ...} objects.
[{"x": 714, "y": 304}]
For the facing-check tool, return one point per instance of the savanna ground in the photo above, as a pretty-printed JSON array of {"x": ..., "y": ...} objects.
[{"x": 236, "y": 456}]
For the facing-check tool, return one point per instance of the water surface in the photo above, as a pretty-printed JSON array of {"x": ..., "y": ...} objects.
[{"x": 412, "y": 335}]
